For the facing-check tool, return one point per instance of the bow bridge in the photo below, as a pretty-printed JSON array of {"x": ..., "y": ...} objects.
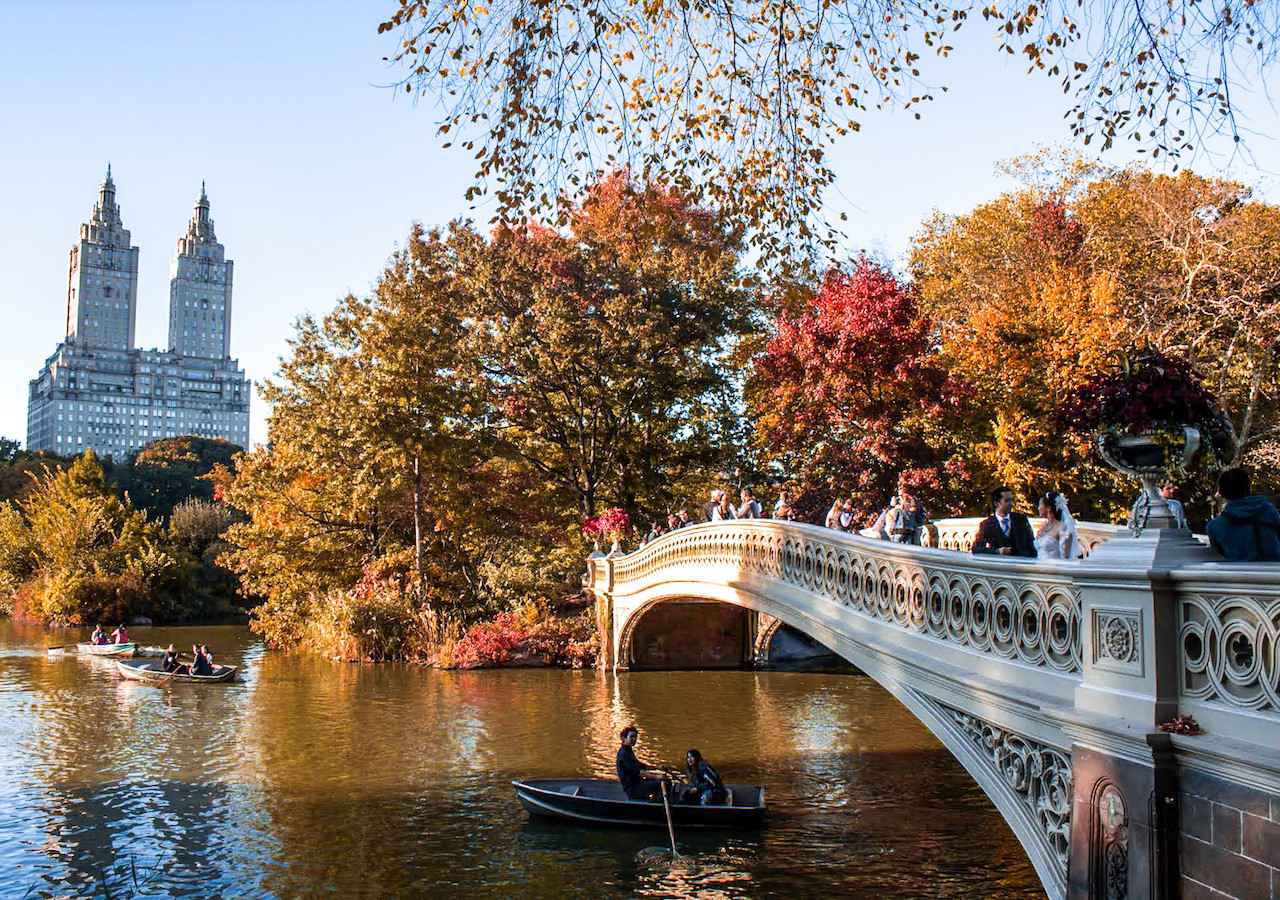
[{"x": 1047, "y": 680}]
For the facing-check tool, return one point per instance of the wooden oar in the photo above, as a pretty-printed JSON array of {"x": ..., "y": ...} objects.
[{"x": 671, "y": 828}]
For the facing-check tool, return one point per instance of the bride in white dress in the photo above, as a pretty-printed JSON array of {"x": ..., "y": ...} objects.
[{"x": 1056, "y": 538}]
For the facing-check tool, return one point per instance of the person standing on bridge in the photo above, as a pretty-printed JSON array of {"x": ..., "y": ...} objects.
[
  {"x": 1249, "y": 528},
  {"x": 1005, "y": 533},
  {"x": 749, "y": 508}
]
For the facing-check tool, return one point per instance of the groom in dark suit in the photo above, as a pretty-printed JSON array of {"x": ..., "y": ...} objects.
[{"x": 1007, "y": 533}]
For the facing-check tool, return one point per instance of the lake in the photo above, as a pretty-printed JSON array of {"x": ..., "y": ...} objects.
[{"x": 311, "y": 777}]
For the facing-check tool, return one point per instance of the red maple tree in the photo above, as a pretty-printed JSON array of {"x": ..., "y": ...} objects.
[{"x": 849, "y": 399}]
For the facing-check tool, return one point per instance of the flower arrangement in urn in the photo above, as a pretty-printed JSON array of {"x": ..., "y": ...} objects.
[
  {"x": 610, "y": 525},
  {"x": 1151, "y": 417}
]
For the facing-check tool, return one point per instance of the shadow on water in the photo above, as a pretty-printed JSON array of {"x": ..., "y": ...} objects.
[{"x": 310, "y": 778}]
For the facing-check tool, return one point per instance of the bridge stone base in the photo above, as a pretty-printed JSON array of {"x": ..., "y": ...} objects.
[{"x": 1229, "y": 839}]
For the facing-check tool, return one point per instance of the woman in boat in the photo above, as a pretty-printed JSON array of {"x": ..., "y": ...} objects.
[
  {"x": 631, "y": 772},
  {"x": 705, "y": 785},
  {"x": 202, "y": 665},
  {"x": 99, "y": 636},
  {"x": 170, "y": 662},
  {"x": 120, "y": 635}
]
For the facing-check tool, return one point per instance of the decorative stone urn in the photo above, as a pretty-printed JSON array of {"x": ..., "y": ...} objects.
[
  {"x": 1148, "y": 459},
  {"x": 615, "y": 550}
]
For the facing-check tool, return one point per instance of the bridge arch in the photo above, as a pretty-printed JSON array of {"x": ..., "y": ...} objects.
[
  {"x": 1029, "y": 782},
  {"x": 1045, "y": 679}
]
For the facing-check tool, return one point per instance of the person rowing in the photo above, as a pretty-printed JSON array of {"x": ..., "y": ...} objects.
[
  {"x": 633, "y": 774},
  {"x": 99, "y": 636},
  {"x": 705, "y": 785},
  {"x": 120, "y": 635},
  {"x": 170, "y": 662}
]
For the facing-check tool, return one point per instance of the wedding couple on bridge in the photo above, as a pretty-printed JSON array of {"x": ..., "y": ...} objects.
[{"x": 1009, "y": 533}]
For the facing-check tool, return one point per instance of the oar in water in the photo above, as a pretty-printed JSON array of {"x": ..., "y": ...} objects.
[{"x": 671, "y": 828}]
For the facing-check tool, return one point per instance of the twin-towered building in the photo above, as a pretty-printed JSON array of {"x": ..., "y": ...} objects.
[{"x": 96, "y": 390}]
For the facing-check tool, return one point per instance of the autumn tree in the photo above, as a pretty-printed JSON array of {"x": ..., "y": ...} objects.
[
  {"x": 434, "y": 447},
  {"x": 848, "y": 399},
  {"x": 79, "y": 551},
  {"x": 739, "y": 105},
  {"x": 600, "y": 353},
  {"x": 1022, "y": 315},
  {"x": 1198, "y": 261},
  {"x": 320, "y": 498},
  {"x": 1038, "y": 290}
]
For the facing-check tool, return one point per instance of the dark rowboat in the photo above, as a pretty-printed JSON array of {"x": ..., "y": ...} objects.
[
  {"x": 141, "y": 670},
  {"x": 602, "y": 802}
]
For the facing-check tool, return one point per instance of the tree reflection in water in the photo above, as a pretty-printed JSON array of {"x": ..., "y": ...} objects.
[{"x": 315, "y": 777}]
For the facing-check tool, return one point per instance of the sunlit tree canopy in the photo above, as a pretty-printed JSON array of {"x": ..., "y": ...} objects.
[{"x": 738, "y": 104}]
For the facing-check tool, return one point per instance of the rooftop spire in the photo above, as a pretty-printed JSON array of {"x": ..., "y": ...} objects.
[
  {"x": 106, "y": 212},
  {"x": 200, "y": 228}
]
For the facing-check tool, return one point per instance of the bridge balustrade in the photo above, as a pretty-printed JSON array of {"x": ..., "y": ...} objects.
[{"x": 1047, "y": 679}]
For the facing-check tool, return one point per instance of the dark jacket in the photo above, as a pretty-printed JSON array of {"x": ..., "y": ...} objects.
[
  {"x": 705, "y": 778},
  {"x": 629, "y": 769},
  {"x": 1247, "y": 531},
  {"x": 991, "y": 537}
]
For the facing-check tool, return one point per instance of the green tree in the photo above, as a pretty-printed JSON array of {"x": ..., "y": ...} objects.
[
  {"x": 166, "y": 472},
  {"x": 90, "y": 552}
]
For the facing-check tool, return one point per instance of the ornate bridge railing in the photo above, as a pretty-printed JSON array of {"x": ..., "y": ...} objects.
[
  {"x": 1229, "y": 648},
  {"x": 1019, "y": 611},
  {"x": 1047, "y": 679}
]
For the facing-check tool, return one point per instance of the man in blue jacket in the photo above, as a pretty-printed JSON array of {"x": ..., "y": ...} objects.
[{"x": 1249, "y": 528}]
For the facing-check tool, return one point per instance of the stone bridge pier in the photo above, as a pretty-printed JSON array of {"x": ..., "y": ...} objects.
[{"x": 1048, "y": 680}]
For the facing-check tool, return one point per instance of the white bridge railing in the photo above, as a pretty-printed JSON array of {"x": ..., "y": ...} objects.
[
  {"x": 1225, "y": 634},
  {"x": 1012, "y": 662},
  {"x": 1017, "y": 610}
]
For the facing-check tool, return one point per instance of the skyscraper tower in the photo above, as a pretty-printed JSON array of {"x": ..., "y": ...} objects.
[
  {"x": 102, "y": 281},
  {"x": 200, "y": 290},
  {"x": 97, "y": 390}
]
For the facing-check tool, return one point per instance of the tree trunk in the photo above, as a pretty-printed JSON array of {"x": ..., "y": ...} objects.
[{"x": 417, "y": 518}]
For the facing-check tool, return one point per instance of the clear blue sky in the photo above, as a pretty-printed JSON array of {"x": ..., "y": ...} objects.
[{"x": 315, "y": 170}]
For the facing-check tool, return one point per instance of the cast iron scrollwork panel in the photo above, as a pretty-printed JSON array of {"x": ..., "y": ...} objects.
[
  {"x": 1025, "y": 619},
  {"x": 1230, "y": 650},
  {"x": 1037, "y": 774}
]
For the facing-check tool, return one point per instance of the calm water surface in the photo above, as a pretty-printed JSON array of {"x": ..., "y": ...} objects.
[{"x": 309, "y": 777}]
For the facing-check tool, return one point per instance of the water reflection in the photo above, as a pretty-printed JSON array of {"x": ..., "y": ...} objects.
[{"x": 312, "y": 777}]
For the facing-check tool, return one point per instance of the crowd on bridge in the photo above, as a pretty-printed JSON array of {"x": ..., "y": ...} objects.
[{"x": 1247, "y": 529}]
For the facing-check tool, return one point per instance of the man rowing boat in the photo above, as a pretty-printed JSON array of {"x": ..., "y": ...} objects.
[{"x": 632, "y": 773}]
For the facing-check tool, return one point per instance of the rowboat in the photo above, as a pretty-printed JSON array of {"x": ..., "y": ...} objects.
[
  {"x": 603, "y": 802},
  {"x": 141, "y": 670},
  {"x": 116, "y": 650}
]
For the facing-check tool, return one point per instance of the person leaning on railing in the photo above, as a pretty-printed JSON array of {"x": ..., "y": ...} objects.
[
  {"x": 1248, "y": 530},
  {"x": 904, "y": 522}
]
